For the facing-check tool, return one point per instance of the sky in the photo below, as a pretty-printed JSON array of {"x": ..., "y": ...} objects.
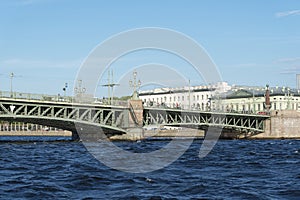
[{"x": 45, "y": 42}]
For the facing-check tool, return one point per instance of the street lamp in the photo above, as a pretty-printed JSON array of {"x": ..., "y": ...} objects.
[
  {"x": 135, "y": 84},
  {"x": 288, "y": 96},
  {"x": 65, "y": 89},
  {"x": 253, "y": 100},
  {"x": 79, "y": 90},
  {"x": 11, "y": 85},
  {"x": 189, "y": 94}
]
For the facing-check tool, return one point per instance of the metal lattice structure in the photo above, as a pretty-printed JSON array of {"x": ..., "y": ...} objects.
[
  {"x": 64, "y": 115},
  {"x": 202, "y": 120}
]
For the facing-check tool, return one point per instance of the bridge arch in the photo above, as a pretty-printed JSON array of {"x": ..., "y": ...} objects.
[
  {"x": 85, "y": 120},
  {"x": 203, "y": 120},
  {"x": 78, "y": 129}
]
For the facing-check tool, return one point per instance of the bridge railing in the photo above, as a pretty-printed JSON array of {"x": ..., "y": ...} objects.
[
  {"x": 59, "y": 98},
  {"x": 100, "y": 101},
  {"x": 32, "y": 96},
  {"x": 208, "y": 109}
]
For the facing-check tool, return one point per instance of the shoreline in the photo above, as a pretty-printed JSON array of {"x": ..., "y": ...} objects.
[
  {"x": 152, "y": 135},
  {"x": 35, "y": 133}
]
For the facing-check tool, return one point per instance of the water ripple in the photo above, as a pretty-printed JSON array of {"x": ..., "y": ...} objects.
[{"x": 233, "y": 170}]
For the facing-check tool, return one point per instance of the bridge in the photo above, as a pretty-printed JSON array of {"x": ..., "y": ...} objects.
[
  {"x": 203, "y": 120},
  {"x": 87, "y": 118}
]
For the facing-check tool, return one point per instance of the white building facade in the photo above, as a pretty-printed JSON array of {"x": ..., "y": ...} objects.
[
  {"x": 194, "y": 97},
  {"x": 252, "y": 100},
  {"x": 241, "y": 99}
]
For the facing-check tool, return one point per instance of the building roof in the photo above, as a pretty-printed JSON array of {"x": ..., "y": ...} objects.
[
  {"x": 198, "y": 88},
  {"x": 247, "y": 92}
]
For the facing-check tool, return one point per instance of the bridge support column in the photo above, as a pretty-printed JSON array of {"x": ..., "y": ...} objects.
[
  {"x": 136, "y": 113},
  {"x": 134, "y": 131}
]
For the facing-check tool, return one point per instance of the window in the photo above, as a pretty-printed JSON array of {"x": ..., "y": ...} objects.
[
  {"x": 258, "y": 107},
  {"x": 170, "y": 99},
  {"x": 182, "y": 98},
  {"x": 202, "y": 97},
  {"x": 197, "y": 97}
]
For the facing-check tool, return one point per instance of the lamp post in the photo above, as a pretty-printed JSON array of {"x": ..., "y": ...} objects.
[
  {"x": 288, "y": 96},
  {"x": 135, "y": 85},
  {"x": 11, "y": 84},
  {"x": 189, "y": 94},
  {"x": 79, "y": 90},
  {"x": 253, "y": 99},
  {"x": 65, "y": 89}
]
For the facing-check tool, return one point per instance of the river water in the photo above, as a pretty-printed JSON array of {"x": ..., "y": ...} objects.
[{"x": 235, "y": 169}]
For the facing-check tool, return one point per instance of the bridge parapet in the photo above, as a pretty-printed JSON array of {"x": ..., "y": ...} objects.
[
  {"x": 59, "y": 98},
  {"x": 32, "y": 96}
]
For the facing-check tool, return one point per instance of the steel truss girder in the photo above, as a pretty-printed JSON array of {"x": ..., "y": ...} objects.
[
  {"x": 171, "y": 117},
  {"x": 107, "y": 116}
]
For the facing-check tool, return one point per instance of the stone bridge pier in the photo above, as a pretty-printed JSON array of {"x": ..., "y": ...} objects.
[
  {"x": 282, "y": 124},
  {"x": 135, "y": 130}
]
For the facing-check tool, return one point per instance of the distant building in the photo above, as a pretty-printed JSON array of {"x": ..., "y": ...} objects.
[
  {"x": 298, "y": 81},
  {"x": 194, "y": 97},
  {"x": 252, "y": 99},
  {"x": 232, "y": 99}
]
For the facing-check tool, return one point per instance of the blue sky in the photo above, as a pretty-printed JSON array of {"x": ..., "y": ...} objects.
[{"x": 44, "y": 42}]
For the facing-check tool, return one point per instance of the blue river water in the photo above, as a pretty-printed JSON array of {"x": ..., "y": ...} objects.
[{"x": 235, "y": 169}]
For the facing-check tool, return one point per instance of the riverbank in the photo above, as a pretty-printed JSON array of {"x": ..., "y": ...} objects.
[
  {"x": 37, "y": 133},
  {"x": 140, "y": 134}
]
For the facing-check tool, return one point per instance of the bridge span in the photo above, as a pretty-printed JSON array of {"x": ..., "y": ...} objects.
[
  {"x": 203, "y": 120},
  {"x": 90, "y": 118}
]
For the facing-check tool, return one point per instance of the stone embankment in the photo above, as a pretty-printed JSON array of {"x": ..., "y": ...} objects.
[
  {"x": 283, "y": 124},
  {"x": 140, "y": 134},
  {"x": 37, "y": 133}
]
